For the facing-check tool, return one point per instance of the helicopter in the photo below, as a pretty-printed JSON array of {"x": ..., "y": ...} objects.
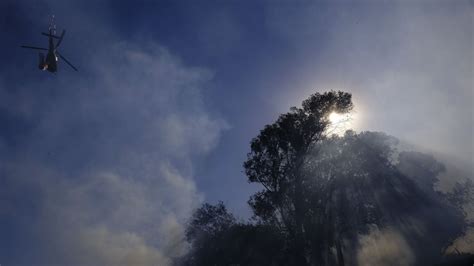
[{"x": 50, "y": 62}]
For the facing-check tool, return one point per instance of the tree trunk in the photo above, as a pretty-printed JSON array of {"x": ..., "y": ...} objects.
[
  {"x": 300, "y": 257},
  {"x": 340, "y": 256}
]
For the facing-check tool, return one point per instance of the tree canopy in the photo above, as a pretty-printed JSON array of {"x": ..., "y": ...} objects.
[
  {"x": 277, "y": 159},
  {"x": 326, "y": 199}
]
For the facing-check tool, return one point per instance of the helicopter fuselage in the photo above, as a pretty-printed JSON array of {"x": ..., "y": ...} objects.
[{"x": 50, "y": 62}]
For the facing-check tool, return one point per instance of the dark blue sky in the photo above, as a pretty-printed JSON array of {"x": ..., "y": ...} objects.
[{"x": 170, "y": 93}]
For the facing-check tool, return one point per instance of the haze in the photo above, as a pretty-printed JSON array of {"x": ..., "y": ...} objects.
[{"x": 114, "y": 158}]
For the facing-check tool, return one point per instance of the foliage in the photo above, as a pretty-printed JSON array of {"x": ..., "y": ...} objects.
[
  {"x": 208, "y": 221},
  {"x": 322, "y": 193},
  {"x": 276, "y": 159},
  {"x": 217, "y": 239}
]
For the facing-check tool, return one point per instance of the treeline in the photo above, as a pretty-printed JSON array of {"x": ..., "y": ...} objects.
[{"x": 332, "y": 200}]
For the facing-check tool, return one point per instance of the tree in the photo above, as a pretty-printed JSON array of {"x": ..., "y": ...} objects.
[
  {"x": 206, "y": 233},
  {"x": 276, "y": 160},
  {"x": 353, "y": 185},
  {"x": 218, "y": 239},
  {"x": 323, "y": 192},
  {"x": 323, "y": 196},
  {"x": 360, "y": 181}
]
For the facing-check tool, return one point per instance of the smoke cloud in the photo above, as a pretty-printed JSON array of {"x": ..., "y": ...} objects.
[{"x": 102, "y": 173}]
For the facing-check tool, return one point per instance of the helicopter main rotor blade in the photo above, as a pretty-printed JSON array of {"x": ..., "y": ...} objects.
[
  {"x": 50, "y": 35},
  {"x": 65, "y": 60},
  {"x": 33, "y": 47},
  {"x": 61, "y": 38}
]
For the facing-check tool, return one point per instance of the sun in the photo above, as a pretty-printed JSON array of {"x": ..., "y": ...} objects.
[
  {"x": 339, "y": 123},
  {"x": 336, "y": 118}
]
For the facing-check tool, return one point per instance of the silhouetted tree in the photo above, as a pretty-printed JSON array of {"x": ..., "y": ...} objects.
[
  {"x": 355, "y": 182},
  {"x": 422, "y": 168},
  {"x": 322, "y": 193},
  {"x": 462, "y": 193},
  {"x": 209, "y": 220},
  {"x": 276, "y": 160},
  {"x": 218, "y": 239},
  {"x": 207, "y": 232}
]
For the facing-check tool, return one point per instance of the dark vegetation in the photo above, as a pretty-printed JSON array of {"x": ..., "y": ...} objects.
[{"x": 322, "y": 193}]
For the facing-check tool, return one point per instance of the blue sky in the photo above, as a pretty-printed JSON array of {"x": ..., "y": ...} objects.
[{"x": 111, "y": 160}]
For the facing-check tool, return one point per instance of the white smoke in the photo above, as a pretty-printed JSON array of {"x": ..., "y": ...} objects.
[
  {"x": 384, "y": 247},
  {"x": 107, "y": 168}
]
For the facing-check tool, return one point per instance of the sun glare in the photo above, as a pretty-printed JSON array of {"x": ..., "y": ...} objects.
[
  {"x": 339, "y": 123},
  {"x": 336, "y": 118}
]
